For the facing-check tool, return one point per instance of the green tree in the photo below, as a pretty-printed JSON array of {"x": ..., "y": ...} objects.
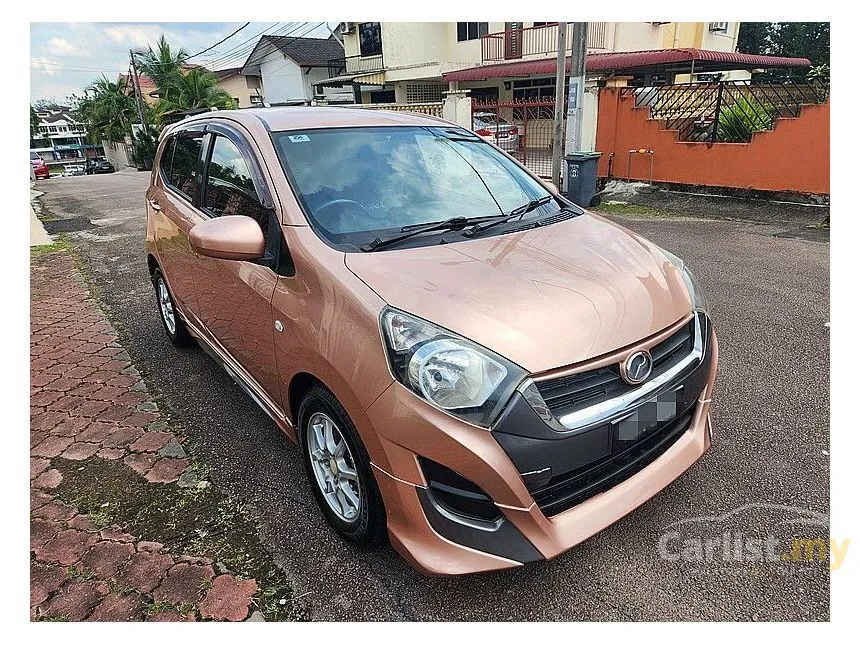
[
  {"x": 797, "y": 39},
  {"x": 163, "y": 65},
  {"x": 195, "y": 89},
  {"x": 108, "y": 109}
]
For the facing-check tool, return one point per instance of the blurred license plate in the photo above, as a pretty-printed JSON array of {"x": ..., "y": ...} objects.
[{"x": 648, "y": 416}]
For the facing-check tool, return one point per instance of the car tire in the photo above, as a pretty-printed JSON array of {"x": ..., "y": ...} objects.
[
  {"x": 368, "y": 525},
  {"x": 173, "y": 324}
]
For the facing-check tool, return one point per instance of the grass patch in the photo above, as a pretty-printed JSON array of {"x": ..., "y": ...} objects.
[
  {"x": 60, "y": 244},
  {"x": 199, "y": 522},
  {"x": 625, "y": 209}
]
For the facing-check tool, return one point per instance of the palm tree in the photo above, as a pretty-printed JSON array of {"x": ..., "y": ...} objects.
[
  {"x": 163, "y": 65},
  {"x": 195, "y": 89},
  {"x": 108, "y": 108}
]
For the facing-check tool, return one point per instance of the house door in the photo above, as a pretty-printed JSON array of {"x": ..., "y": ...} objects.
[{"x": 513, "y": 40}]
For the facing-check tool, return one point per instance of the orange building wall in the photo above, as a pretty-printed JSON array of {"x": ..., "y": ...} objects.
[{"x": 795, "y": 156}]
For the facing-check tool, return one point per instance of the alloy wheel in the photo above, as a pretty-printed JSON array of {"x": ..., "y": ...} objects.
[
  {"x": 334, "y": 467},
  {"x": 166, "y": 306}
]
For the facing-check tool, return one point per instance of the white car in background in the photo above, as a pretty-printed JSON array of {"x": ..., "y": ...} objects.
[{"x": 497, "y": 131}]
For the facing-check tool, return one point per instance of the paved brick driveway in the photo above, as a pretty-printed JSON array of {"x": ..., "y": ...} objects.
[{"x": 88, "y": 402}]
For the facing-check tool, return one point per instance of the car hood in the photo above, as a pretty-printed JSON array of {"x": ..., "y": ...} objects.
[{"x": 543, "y": 298}]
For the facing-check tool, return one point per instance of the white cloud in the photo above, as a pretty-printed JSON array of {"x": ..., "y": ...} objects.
[
  {"x": 62, "y": 47},
  {"x": 44, "y": 66}
]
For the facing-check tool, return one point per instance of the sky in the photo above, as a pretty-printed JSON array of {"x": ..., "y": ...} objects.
[{"x": 66, "y": 57}]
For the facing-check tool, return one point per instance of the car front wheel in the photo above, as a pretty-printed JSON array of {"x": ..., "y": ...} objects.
[{"x": 338, "y": 468}]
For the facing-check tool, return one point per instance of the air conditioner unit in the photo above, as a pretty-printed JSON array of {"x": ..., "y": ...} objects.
[{"x": 349, "y": 27}]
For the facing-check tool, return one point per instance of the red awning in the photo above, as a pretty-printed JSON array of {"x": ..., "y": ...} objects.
[{"x": 672, "y": 60}]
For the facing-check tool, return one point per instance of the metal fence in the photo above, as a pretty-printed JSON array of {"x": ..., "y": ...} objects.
[
  {"x": 431, "y": 109},
  {"x": 523, "y": 129},
  {"x": 728, "y": 111}
]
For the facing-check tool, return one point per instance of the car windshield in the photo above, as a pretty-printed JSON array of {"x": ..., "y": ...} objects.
[{"x": 357, "y": 184}]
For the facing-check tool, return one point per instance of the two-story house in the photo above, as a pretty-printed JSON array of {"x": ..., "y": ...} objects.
[
  {"x": 61, "y": 138},
  {"x": 408, "y": 62},
  {"x": 246, "y": 89},
  {"x": 289, "y": 68}
]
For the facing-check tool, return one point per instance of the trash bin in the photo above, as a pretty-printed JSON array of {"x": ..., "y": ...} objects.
[{"x": 582, "y": 178}]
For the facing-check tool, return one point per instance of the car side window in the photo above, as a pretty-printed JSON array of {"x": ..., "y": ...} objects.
[
  {"x": 164, "y": 165},
  {"x": 229, "y": 187},
  {"x": 183, "y": 171}
]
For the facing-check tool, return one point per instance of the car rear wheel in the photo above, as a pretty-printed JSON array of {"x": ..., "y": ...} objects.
[
  {"x": 175, "y": 328},
  {"x": 338, "y": 468}
]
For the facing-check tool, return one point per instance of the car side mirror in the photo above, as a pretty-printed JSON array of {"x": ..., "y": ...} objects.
[{"x": 231, "y": 237}]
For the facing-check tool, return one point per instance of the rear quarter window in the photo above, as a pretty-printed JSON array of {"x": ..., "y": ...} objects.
[{"x": 180, "y": 163}]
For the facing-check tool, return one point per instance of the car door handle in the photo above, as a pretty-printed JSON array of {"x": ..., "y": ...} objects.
[{"x": 154, "y": 205}]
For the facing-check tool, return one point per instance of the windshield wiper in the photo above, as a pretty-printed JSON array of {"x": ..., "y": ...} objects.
[
  {"x": 452, "y": 224},
  {"x": 520, "y": 211}
]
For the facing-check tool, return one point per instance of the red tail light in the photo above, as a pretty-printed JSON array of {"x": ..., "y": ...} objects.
[
  {"x": 483, "y": 132},
  {"x": 513, "y": 131}
]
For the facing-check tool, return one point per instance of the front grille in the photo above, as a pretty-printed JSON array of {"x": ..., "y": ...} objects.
[
  {"x": 566, "y": 491},
  {"x": 567, "y": 394}
]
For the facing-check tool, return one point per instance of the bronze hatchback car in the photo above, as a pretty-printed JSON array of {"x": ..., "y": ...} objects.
[{"x": 466, "y": 359}]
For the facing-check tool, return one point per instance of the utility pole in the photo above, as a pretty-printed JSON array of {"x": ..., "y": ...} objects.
[
  {"x": 558, "y": 125},
  {"x": 141, "y": 111},
  {"x": 576, "y": 89}
]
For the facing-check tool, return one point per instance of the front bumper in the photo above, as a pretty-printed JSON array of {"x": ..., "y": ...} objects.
[{"x": 438, "y": 544}]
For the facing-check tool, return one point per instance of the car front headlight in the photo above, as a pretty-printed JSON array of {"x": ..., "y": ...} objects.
[
  {"x": 450, "y": 372},
  {"x": 696, "y": 294}
]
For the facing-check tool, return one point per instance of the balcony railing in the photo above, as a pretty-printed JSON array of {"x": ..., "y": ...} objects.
[
  {"x": 535, "y": 41},
  {"x": 355, "y": 65}
]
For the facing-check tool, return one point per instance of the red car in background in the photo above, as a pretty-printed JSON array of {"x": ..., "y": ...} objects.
[{"x": 40, "y": 170}]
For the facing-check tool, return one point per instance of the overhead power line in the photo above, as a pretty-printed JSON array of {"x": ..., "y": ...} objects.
[
  {"x": 219, "y": 42},
  {"x": 239, "y": 48}
]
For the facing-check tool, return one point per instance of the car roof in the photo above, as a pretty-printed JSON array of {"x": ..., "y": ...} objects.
[{"x": 309, "y": 118}]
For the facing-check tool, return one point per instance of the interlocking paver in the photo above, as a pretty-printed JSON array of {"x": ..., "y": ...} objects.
[
  {"x": 183, "y": 584},
  {"x": 151, "y": 441},
  {"x": 105, "y": 558},
  {"x": 73, "y": 601},
  {"x": 166, "y": 471},
  {"x": 144, "y": 571},
  {"x": 45, "y": 579},
  {"x": 118, "y": 608},
  {"x": 48, "y": 479},
  {"x": 228, "y": 598},
  {"x": 51, "y": 447},
  {"x": 88, "y": 402},
  {"x": 79, "y": 451}
]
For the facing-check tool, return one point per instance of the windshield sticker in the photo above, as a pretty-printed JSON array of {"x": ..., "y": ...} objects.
[{"x": 299, "y": 138}]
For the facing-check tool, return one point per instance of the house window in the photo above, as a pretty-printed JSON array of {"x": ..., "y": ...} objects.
[
  {"x": 539, "y": 24},
  {"x": 256, "y": 99},
  {"x": 534, "y": 89},
  {"x": 471, "y": 30},
  {"x": 370, "y": 38},
  {"x": 423, "y": 92},
  {"x": 52, "y": 128},
  {"x": 719, "y": 27},
  {"x": 382, "y": 96}
]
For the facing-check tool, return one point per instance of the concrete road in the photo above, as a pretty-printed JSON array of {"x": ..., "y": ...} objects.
[{"x": 769, "y": 300}]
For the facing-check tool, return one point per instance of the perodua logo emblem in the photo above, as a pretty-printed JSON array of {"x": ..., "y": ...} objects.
[{"x": 636, "y": 368}]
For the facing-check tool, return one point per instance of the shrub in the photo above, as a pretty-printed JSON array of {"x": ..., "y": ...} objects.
[{"x": 740, "y": 120}]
